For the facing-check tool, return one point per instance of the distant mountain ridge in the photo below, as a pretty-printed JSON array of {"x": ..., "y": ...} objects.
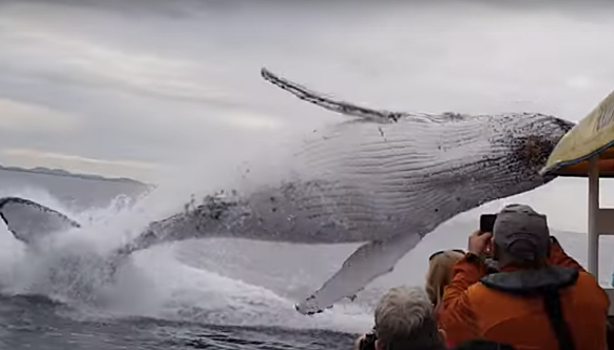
[{"x": 61, "y": 172}]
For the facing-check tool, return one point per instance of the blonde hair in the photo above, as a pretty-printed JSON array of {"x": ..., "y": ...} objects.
[{"x": 439, "y": 274}]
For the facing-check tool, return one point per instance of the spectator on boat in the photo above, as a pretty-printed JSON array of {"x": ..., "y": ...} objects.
[
  {"x": 439, "y": 273},
  {"x": 404, "y": 320},
  {"x": 541, "y": 299}
]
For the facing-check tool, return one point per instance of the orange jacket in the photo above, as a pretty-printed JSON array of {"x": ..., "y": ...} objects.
[{"x": 471, "y": 309}]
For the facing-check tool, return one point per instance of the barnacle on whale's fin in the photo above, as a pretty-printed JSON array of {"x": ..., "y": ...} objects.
[
  {"x": 29, "y": 221},
  {"x": 374, "y": 115}
]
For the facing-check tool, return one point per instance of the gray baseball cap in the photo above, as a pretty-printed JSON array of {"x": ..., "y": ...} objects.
[{"x": 522, "y": 232}]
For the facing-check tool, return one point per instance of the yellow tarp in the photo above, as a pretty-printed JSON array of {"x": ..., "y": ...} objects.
[{"x": 593, "y": 135}]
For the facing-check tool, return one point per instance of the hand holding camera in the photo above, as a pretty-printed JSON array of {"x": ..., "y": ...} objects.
[
  {"x": 487, "y": 222},
  {"x": 480, "y": 241}
]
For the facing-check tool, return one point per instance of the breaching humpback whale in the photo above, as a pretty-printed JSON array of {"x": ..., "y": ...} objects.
[{"x": 385, "y": 179}]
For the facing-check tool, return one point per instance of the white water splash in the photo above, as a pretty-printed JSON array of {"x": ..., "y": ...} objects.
[{"x": 153, "y": 283}]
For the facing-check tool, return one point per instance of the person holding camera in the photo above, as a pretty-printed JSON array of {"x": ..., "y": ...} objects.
[
  {"x": 540, "y": 299},
  {"x": 404, "y": 320}
]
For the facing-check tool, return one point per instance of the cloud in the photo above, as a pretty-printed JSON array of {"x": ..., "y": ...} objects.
[
  {"x": 67, "y": 57},
  {"x": 156, "y": 81},
  {"x": 30, "y": 158},
  {"x": 580, "y": 82},
  {"x": 31, "y": 118},
  {"x": 252, "y": 120}
]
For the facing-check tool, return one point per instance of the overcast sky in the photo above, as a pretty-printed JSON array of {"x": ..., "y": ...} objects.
[{"x": 131, "y": 88}]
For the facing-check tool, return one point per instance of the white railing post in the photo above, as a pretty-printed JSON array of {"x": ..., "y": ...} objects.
[{"x": 593, "y": 214}]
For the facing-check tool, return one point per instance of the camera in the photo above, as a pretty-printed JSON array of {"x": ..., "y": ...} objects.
[
  {"x": 368, "y": 342},
  {"x": 487, "y": 222}
]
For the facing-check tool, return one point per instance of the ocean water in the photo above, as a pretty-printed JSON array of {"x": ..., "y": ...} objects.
[
  {"x": 217, "y": 294},
  {"x": 178, "y": 83}
]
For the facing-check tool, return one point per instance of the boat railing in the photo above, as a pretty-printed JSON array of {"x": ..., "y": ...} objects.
[
  {"x": 587, "y": 150},
  {"x": 600, "y": 223}
]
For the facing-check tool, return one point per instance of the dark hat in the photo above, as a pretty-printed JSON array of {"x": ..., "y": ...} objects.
[{"x": 522, "y": 232}]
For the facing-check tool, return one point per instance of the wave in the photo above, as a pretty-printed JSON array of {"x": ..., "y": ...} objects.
[
  {"x": 164, "y": 282},
  {"x": 213, "y": 282}
]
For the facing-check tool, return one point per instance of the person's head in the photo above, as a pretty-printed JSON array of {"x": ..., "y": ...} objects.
[
  {"x": 404, "y": 319},
  {"x": 521, "y": 237},
  {"x": 439, "y": 273}
]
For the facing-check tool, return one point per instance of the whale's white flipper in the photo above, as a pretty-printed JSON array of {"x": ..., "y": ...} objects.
[
  {"x": 29, "y": 221},
  {"x": 368, "y": 262}
]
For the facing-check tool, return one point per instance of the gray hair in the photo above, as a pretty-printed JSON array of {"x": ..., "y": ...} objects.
[{"x": 404, "y": 319}]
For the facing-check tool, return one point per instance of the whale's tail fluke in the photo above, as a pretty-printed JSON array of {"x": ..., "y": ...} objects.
[{"x": 30, "y": 222}]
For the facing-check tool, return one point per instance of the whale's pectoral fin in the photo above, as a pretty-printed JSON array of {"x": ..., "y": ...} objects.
[
  {"x": 30, "y": 221},
  {"x": 368, "y": 262},
  {"x": 346, "y": 108},
  {"x": 380, "y": 116}
]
